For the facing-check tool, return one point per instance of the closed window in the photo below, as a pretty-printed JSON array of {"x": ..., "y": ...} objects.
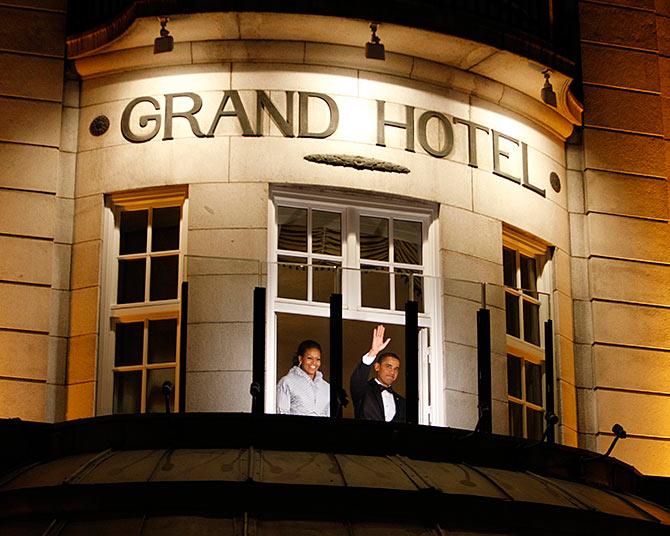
[
  {"x": 526, "y": 307},
  {"x": 140, "y": 358},
  {"x": 525, "y": 397},
  {"x": 522, "y": 301}
]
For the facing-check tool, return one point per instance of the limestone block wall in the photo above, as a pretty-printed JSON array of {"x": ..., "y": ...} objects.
[
  {"x": 467, "y": 262},
  {"x": 84, "y": 301},
  {"x": 620, "y": 231},
  {"x": 227, "y": 231},
  {"x": 36, "y": 203}
]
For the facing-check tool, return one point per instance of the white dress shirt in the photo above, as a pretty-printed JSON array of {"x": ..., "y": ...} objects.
[{"x": 387, "y": 398}]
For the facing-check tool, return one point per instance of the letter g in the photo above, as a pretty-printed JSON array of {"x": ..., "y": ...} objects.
[{"x": 143, "y": 121}]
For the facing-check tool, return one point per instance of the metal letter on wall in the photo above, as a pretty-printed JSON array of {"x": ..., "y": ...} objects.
[
  {"x": 447, "y": 144},
  {"x": 189, "y": 115},
  {"x": 408, "y": 125},
  {"x": 498, "y": 152},
  {"x": 303, "y": 104},
  {"x": 472, "y": 138},
  {"x": 237, "y": 111},
  {"x": 285, "y": 125},
  {"x": 143, "y": 121},
  {"x": 524, "y": 164}
]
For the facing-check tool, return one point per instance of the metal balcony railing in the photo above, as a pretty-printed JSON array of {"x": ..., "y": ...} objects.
[{"x": 420, "y": 300}]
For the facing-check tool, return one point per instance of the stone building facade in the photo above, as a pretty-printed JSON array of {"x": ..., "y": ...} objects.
[{"x": 266, "y": 145}]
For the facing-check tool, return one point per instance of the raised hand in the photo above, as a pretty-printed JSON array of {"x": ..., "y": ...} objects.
[{"x": 378, "y": 342}]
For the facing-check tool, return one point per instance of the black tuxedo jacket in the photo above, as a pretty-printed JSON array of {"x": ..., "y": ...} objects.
[{"x": 367, "y": 396}]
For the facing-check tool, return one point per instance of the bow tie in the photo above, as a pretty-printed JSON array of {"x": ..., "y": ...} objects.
[{"x": 383, "y": 388}]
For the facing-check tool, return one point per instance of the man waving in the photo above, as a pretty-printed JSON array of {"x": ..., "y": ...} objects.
[{"x": 375, "y": 399}]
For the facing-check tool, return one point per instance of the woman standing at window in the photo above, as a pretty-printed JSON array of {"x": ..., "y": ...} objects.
[{"x": 303, "y": 391}]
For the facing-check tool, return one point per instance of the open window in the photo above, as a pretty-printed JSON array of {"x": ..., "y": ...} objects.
[{"x": 377, "y": 255}]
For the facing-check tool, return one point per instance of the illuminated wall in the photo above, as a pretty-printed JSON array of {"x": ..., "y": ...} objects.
[
  {"x": 607, "y": 223},
  {"x": 620, "y": 232},
  {"x": 36, "y": 205},
  {"x": 229, "y": 177}
]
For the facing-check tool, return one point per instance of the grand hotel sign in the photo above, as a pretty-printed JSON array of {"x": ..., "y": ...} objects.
[{"x": 138, "y": 127}]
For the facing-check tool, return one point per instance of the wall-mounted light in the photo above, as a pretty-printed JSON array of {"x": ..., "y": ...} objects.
[
  {"x": 374, "y": 50},
  {"x": 619, "y": 433},
  {"x": 164, "y": 43},
  {"x": 548, "y": 94}
]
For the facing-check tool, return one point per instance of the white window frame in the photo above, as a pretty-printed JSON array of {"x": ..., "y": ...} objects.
[
  {"x": 523, "y": 401},
  {"x": 351, "y": 207},
  {"x": 111, "y": 312},
  {"x": 309, "y": 255},
  {"x": 523, "y": 350}
]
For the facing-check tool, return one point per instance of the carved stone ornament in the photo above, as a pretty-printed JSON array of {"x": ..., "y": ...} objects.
[
  {"x": 99, "y": 125},
  {"x": 555, "y": 181},
  {"x": 356, "y": 162}
]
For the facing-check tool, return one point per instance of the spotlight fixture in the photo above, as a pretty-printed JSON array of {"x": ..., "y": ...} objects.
[
  {"x": 374, "y": 50},
  {"x": 552, "y": 420},
  {"x": 164, "y": 43},
  {"x": 619, "y": 433},
  {"x": 548, "y": 94}
]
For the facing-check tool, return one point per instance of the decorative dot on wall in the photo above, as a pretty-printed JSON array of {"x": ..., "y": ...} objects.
[
  {"x": 555, "y": 181},
  {"x": 99, "y": 125}
]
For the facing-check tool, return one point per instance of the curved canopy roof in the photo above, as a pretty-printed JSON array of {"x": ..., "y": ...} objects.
[{"x": 195, "y": 473}]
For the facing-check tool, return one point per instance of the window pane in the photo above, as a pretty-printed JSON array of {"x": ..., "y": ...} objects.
[
  {"x": 375, "y": 290},
  {"x": 162, "y": 341},
  {"x": 514, "y": 376},
  {"x": 155, "y": 398},
  {"x": 402, "y": 284},
  {"x": 324, "y": 276},
  {"x": 127, "y": 392},
  {"x": 128, "y": 344},
  {"x": 165, "y": 229},
  {"x": 374, "y": 238},
  {"x": 512, "y": 314},
  {"x": 292, "y": 228},
  {"x": 509, "y": 267},
  {"x": 292, "y": 278},
  {"x": 407, "y": 241},
  {"x": 326, "y": 232},
  {"x": 131, "y": 281},
  {"x": 164, "y": 278},
  {"x": 515, "y": 419},
  {"x": 531, "y": 323},
  {"x": 534, "y": 424},
  {"x": 528, "y": 275},
  {"x": 133, "y": 231},
  {"x": 534, "y": 383}
]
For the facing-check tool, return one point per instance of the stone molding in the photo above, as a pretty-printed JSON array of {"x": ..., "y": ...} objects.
[{"x": 356, "y": 162}]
